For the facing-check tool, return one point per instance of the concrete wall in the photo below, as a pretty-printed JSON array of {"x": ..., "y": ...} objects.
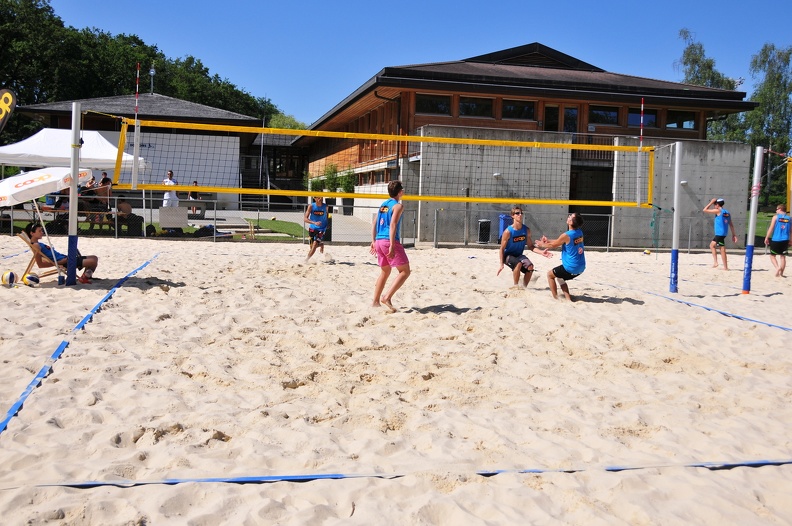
[{"x": 710, "y": 169}]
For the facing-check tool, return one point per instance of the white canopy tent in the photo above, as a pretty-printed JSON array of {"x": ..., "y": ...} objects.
[{"x": 52, "y": 147}]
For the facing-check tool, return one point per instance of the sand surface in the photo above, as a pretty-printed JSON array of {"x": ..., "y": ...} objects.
[{"x": 226, "y": 360}]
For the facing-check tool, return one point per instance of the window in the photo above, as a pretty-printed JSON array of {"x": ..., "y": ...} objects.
[
  {"x": 518, "y": 109},
  {"x": 474, "y": 107},
  {"x": 608, "y": 115},
  {"x": 681, "y": 120},
  {"x": 649, "y": 118},
  {"x": 435, "y": 104}
]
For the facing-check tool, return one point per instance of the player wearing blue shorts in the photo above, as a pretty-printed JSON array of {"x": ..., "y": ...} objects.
[{"x": 386, "y": 245}]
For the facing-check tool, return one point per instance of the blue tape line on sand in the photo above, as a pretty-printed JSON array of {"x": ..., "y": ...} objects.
[
  {"x": 14, "y": 255},
  {"x": 729, "y": 314},
  {"x": 712, "y": 466},
  {"x": 45, "y": 370}
]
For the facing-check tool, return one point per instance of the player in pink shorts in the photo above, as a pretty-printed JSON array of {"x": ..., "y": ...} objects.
[{"x": 386, "y": 245}]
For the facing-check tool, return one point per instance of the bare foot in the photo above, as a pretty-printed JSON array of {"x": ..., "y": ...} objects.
[
  {"x": 387, "y": 304},
  {"x": 715, "y": 265}
]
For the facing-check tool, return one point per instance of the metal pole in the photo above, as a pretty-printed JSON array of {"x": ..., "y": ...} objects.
[
  {"x": 71, "y": 266},
  {"x": 756, "y": 187},
  {"x": 675, "y": 229}
]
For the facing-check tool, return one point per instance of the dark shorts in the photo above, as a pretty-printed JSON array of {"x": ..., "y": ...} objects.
[
  {"x": 720, "y": 240},
  {"x": 513, "y": 261},
  {"x": 561, "y": 272},
  {"x": 779, "y": 248},
  {"x": 316, "y": 235}
]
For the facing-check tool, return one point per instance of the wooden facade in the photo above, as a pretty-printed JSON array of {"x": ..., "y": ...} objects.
[{"x": 532, "y": 88}]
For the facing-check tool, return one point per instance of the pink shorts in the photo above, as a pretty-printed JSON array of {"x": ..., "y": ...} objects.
[{"x": 399, "y": 256}]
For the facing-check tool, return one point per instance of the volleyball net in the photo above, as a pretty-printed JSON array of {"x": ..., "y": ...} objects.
[{"x": 438, "y": 163}]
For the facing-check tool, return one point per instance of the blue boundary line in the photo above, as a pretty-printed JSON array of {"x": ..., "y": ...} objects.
[
  {"x": 9, "y": 256},
  {"x": 690, "y": 304},
  {"x": 712, "y": 466},
  {"x": 45, "y": 370},
  {"x": 723, "y": 312}
]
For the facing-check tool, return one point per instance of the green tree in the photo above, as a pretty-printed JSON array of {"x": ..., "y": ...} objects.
[
  {"x": 285, "y": 122},
  {"x": 30, "y": 55},
  {"x": 770, "y": 125},
  {"x": 700, "y": 70},
  {"x": 330, "y": 180},
  {"x": 43, "y": 61}
]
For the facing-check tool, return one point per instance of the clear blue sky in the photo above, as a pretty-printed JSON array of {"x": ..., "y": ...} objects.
[{"x": 307, "y": 56}]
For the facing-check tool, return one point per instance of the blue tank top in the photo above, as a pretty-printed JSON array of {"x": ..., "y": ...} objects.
[
  {"x": 54, "y": 255},
  {"x": 318, "y": 213},
  {"x": 517, "y": 241},
  {"x": 572, "y": 254},
  {"x": 781, "y": 228},
  {"x": 722, "y": 221},
  {"x": 384, "y": 217}
]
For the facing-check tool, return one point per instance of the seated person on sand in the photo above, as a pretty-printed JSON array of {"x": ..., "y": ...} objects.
[{"x": 35, "y": 232}]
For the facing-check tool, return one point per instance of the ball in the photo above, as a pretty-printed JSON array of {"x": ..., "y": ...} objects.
[
  {"x": 9, "y": 278},
  {"x": 647, "y": 252},
  {"x": 31, "y": 280}
]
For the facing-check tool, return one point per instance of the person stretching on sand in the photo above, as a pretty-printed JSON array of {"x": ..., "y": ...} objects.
[
  {"x": 513, "y": 242},
  {"x": 722, "y": 224},
  {"x": 573, "y": 257},
  {"x": 386, "y": 245}
]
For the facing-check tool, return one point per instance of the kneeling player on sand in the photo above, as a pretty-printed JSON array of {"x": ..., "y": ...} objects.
[
  {"x": 573, "y": 258},
  {"x": 513, "y": 242}
]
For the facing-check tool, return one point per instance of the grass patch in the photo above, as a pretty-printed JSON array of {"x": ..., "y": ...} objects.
[{"x": 282, "y": 227}]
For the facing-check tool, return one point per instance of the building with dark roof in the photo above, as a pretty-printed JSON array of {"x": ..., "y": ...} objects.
[{"x": 526, "y": 93}]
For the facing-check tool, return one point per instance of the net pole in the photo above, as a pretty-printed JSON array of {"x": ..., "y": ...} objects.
[
  {"x": 136, "y": 151},
  {"x": 71, "y": 265},
  {"x": 640, "y": 149},
  {"x": 136, "y": 147},
  {"x": 673, "y": 286},
  {"x": 756, "y": 187}
]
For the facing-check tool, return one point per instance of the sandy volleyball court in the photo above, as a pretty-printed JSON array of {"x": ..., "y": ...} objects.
[{"x": 235, "y": 360}]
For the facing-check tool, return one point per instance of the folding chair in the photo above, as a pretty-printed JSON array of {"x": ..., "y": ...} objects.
[{"x": 48, "y": 262}]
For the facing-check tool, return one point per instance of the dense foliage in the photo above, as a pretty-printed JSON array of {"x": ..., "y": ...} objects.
[
  {"x": 43, "y": 61},
  {"x": 769, "y": 125}
]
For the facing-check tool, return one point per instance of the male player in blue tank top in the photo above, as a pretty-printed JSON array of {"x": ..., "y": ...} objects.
[
  {"x": 777, "y": 239},
  {"x": 386, "y": 245},
  {"x": 723, "y": 222},
  {"x": 573, "y": 257},
  {"x": 316, "y": 216},
  {"x": 513, "y": 242}
]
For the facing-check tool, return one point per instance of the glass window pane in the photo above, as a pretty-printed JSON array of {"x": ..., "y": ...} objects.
[
  {"x": 604, "y": 115},
  {"x": 518, "y": 109},
  {"x": 436, "y": 104},
  {"x": 475, "y": 107},
  {"x": 649, "y": 118},
  {"x": 681, "y": 120}
]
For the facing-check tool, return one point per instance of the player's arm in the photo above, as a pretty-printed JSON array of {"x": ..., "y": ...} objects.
[
  {"x": 533, "y": 247},
  {"x": 505, "y": 237},
  {"x": 734, "y": 232},
  {"x": 709, "y": 210},
  {"x": 308, "y": 215},
  {"x": 770, "y": 230},
  {"x": 547, "y": 244},
  {"x": 397, "y": 212}
]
